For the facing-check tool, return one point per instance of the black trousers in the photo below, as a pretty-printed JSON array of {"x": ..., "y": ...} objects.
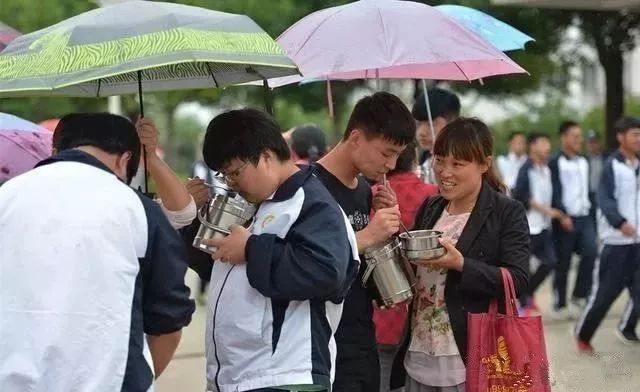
[
  {"x": 359, "y": 373},
  {"x": 582, "y": 239},
  {"x": 542, "y": 249},
  {"x": 619, "y": 267},
  {"x": 629, "y": 319}
]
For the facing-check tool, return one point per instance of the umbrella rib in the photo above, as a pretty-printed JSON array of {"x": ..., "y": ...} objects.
[
  {"x": 463, "y": 73},
  {"x": 212, "y": 75},
  {"x": 99, "y": 86}
]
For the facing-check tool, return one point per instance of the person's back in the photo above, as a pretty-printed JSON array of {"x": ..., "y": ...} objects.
[{"x": 87, "y": 267}]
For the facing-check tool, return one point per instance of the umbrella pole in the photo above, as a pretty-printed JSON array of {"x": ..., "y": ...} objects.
[
  {"x": 426, "y": 101},
  {"x": 330, "y": 99},
  {"x": 144, "y": 151},
  {"x": 268, "y": 97}
]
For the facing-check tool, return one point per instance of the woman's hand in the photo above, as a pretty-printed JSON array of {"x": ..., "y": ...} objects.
[{"x": 452, "y": 260}]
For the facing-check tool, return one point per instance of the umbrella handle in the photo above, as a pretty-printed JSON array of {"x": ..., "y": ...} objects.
[
  {"x": 426, "y": 101},
  {"x": 144, "y": 151}
]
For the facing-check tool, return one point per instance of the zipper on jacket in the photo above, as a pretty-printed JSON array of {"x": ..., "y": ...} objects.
[{"x": 213, "y": 327}]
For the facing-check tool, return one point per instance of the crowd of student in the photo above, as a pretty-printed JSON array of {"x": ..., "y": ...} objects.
[{"x": 92, "y": 293}]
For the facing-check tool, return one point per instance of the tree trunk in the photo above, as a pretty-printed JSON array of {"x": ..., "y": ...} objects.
[
  {"x": 608, "y": 43},
  {"x": 614, "y": 106}
]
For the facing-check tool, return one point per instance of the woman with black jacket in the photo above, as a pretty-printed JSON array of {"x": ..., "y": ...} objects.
[{"x": 483, "y": 230}]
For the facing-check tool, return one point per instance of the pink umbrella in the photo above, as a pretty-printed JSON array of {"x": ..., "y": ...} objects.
[
  {"x": 7, "y": 34},
  {"x": 389, "y": 39},
  {"x": 50, "y": 124},
  {"x": 22, "y": 145}
]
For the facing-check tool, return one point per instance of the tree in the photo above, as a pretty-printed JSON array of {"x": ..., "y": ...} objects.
[{"x": 612, "y": 34}]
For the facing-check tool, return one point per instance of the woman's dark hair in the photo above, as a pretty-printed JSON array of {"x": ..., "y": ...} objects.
[
  {"x": 469, "y": 139},
  {"x": 109, "y": 132},
  {"x": 242, "y": 134},
  {"x": 407, "y": 160},
  {"x": 382, "y": 115}
]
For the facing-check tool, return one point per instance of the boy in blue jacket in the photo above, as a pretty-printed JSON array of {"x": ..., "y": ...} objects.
[
  {"x": 619, "y": 202},
  {"x": 277, "y": 288}
]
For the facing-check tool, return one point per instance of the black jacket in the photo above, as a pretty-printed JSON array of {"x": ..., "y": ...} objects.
[{"x": 496, "y": 235}]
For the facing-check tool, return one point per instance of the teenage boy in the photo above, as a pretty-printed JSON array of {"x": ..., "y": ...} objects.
[
  {"x": 619, "y": 265},
  {"x": 534, "y": 189},
  {"x": 445, "y": 107},
  {"x": 377, "y": 132},
  {"x": 92, "y": 292},
  {"x": 276, "y": 288},
  {"x": 576, "y": 230}
]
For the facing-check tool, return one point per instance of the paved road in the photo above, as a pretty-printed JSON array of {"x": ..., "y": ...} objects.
[{"x": 616, "y": 368}]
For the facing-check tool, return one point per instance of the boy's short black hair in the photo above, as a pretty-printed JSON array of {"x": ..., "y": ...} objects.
[
  {"x": 625, "y": 124},
  {"x": 382, "y": 115},
  {"x": 513, "y": 134},
  {"x": 534, "y": 136},
  {"x": 309, "y": 142},
  {"x": 407, "y": 159},
  {"x": 566, "y": 125},
  {"x": 110, "y": 133},
  {"x": 443, "y": 103},
  {"x": 242, "y": 134}
]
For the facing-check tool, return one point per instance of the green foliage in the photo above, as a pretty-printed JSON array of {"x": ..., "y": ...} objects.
[{"x": 539, "y": 118}]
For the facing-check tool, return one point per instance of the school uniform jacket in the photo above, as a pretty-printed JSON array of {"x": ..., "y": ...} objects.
[
  {"x": 618, "y": 200},
  {"x": 88, "y": 266},
  {"x": 271, "y": 321}
]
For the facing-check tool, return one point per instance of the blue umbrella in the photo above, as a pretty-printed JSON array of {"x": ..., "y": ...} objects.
[{"x": 498, "y": 33}]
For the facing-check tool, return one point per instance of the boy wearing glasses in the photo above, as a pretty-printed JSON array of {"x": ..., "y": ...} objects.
[{"x": 276, "y": 289}]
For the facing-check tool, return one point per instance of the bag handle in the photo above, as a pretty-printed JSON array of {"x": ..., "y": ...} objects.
[{"x": 509, "y": 295}]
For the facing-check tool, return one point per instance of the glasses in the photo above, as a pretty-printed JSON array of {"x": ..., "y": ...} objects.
[{"x": 233, "y": 175}]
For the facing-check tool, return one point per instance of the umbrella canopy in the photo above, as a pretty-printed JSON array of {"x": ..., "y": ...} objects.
[
  {"x": 501, "y": 35},
  {"x": 169, "y": 46},
  {"x": 50, "y": 124},
  {"x": 600, "y": 5},
  {"x": 22, "y": 145},
  {"x": 7, "y": 34},
  {"x": 389, "y": 39}
]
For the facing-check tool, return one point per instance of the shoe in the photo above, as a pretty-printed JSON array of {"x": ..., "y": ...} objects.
[
  {"x": 584, "y": 347},
  {"x": 561, "y": 314},
  {"x": 627, "y": 338}
]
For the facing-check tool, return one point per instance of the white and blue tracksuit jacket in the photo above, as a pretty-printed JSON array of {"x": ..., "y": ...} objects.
[
  {"x": 88, "y": 266},
  {"x": 271, "y": 321},
  {"x": 618, "y": 200}
]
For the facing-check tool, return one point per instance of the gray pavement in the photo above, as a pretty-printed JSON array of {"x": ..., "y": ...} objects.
[{"x": 616, "y": 367}]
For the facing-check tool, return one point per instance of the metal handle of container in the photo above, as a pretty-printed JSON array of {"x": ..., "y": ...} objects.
[
  {"x": 369, "y": 270},
  {"x": 207, "y": 224},
  {"x": 374, "y": 262}
]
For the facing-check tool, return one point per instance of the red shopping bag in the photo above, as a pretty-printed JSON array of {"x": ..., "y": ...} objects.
[
  {"x": 506, "y": 353},
  {"x": 390, "y": 324}
]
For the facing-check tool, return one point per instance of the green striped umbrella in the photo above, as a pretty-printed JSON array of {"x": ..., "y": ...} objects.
[
  {"x": 167, "y": 46},
  {"x": 119, "y": 49}
]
